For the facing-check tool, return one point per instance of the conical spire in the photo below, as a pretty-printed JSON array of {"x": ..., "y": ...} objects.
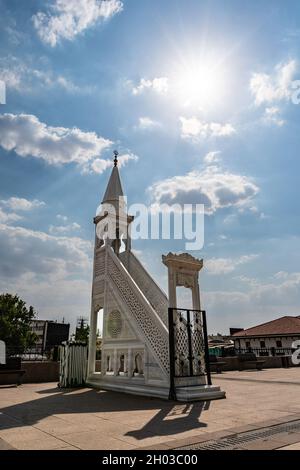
[{"x": 114, "y": 188}]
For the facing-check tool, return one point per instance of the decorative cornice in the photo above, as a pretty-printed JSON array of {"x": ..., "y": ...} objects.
[{"x": 182, "y": 259}]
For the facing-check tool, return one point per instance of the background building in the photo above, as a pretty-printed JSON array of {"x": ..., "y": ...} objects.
[
  {"x": 220, "y": 345},
  {"x": 271, "y": 338},
  {"x": 49, "y": 334}
]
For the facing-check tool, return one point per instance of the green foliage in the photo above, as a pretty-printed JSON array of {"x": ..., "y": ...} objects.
[
  {"x": 15, "y": 320},
  {"x": 82, "y": 333}
]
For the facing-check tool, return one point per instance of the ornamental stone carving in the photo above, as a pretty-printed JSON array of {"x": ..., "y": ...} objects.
[
  {"x": 114, "y": 324},
  {"x": 146, "y": 319},
  {"x": 148, "y": 286},
  {"x": 185, "y": 280},
  {"x": 183, "y": 270}
]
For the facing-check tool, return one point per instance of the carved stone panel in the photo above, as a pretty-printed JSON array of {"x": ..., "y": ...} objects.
[
  {"x": 185, "y": 280},
  {"x": 114, "y": 324}
]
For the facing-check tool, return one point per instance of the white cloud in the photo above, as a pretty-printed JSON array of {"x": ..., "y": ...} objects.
[
  {"x": 146, "y": 123},
  {"x": 212, "y": 157},
  {"x": 7, "y": 217},
  {"x": 12, "y": 30},
  {"x": 27, "y": 136},
  {"x": 282, "y": 289},
  {"x": 195, "y": 130},
  {"x": 61, "y": 229},
  {"x": 64, "y": 218},
  {"x": 275, "y": 87},
  {"x": 24, "y": 250},
  {"x": 10, "y": 207},
  {"x": 22, "y": 77},
  {"x": 21, "y": 204},
  {"x": 281, "y": 275},
  {"x": 258, "y": 301},
  {"x": 125, "y": 158},
  {"x": 65, "y": 19},
  {"x": 216, "y": 266},
  {"x": 99, "y": 165},
  {"x": 12, "y": 77},
  {"x": 159, "y": 84},
  {"x": 272, "y": 116},
  {"x": 287, "y": 289},
  {"x": 212, "y": 187},
  {"x": 50, "y": 272},
  {"x": 48, "y": 79}
]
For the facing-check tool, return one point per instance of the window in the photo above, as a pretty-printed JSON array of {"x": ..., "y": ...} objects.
[
  {"x": 262, "y": 344},
  {"x": 278, "y": 343},
  {"x": 138, "y": 365},
  {"x": 247, "y": 344},
  {"x": 109, "y": 364},
  {"x": 122, "y": 362}
]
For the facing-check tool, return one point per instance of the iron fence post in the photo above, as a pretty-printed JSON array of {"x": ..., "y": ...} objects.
[
  {"x": 188, "y": 326},
  {"x": 172, "y": 391},
  {"x": 206, "y": 350}
]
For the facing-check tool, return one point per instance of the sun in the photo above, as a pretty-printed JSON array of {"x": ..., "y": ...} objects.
[{"x": 199, "y": 85}]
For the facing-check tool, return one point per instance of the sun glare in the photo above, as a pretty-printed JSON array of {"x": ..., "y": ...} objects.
[{"x": 199, "y": 85}]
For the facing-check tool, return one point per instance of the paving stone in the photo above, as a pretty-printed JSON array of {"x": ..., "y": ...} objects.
[
  {"x": 5, "y": 445},
  {"x": 268, "y": 444},
  {"x": 291, "y": 447},
  {"x": 287, "y": 438},
  {"x": 42, "y": 416},
  {"x": 91, "y": 440}
]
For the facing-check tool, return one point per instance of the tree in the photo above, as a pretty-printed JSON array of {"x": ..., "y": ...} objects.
[
  {"x": 82, "y": 331},
  {"x": 15, "y": 322}
]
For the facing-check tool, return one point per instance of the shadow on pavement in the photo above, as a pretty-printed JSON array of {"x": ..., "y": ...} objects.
[{"x": 171, "y": 417}]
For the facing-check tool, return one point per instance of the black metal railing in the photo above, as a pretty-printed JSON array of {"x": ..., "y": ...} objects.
[
  {"x": 188, "y": 346},
  {"x": 263, "y": 352},
  {"x": 36, "y": 353}
]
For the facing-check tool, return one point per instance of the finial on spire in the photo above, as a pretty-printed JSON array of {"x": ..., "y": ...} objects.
[{"x": 116, "y": 153}]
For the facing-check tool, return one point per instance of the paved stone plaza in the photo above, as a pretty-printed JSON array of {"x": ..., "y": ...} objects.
[{"x": 41, "y": 416}]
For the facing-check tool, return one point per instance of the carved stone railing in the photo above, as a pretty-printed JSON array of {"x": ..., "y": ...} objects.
[
  {"x": 99, "y": 262},
  {"x": 155, "y": 295},
  {"x": 153, "y": 328},
  {"x": 99, "y": 273}
]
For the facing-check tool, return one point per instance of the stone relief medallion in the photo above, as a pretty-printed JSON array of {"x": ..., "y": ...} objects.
[
  {"x": 114, "y": 324},
  {"x": 185, "y": 280}
]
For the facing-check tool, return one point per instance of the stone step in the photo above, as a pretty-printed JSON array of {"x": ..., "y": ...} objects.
[{"x": 199, "y": 393}]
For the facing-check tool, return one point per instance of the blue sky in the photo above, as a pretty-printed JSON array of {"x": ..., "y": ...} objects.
[{"x": 198, "y": 98}]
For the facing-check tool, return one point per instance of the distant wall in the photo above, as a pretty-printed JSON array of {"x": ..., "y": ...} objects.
[
  {"x": 47, "y": 371},
  {"x": 271, "y": 362},
  {"x": 44, "y": 371},
  {"x": 37, "y": 372},
  {"x": 270, "y": 342}
]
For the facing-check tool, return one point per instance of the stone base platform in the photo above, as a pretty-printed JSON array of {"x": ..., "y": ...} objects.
[
  {"x": 199, "y": 393},
  {"x": 185, "y": 394}
]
